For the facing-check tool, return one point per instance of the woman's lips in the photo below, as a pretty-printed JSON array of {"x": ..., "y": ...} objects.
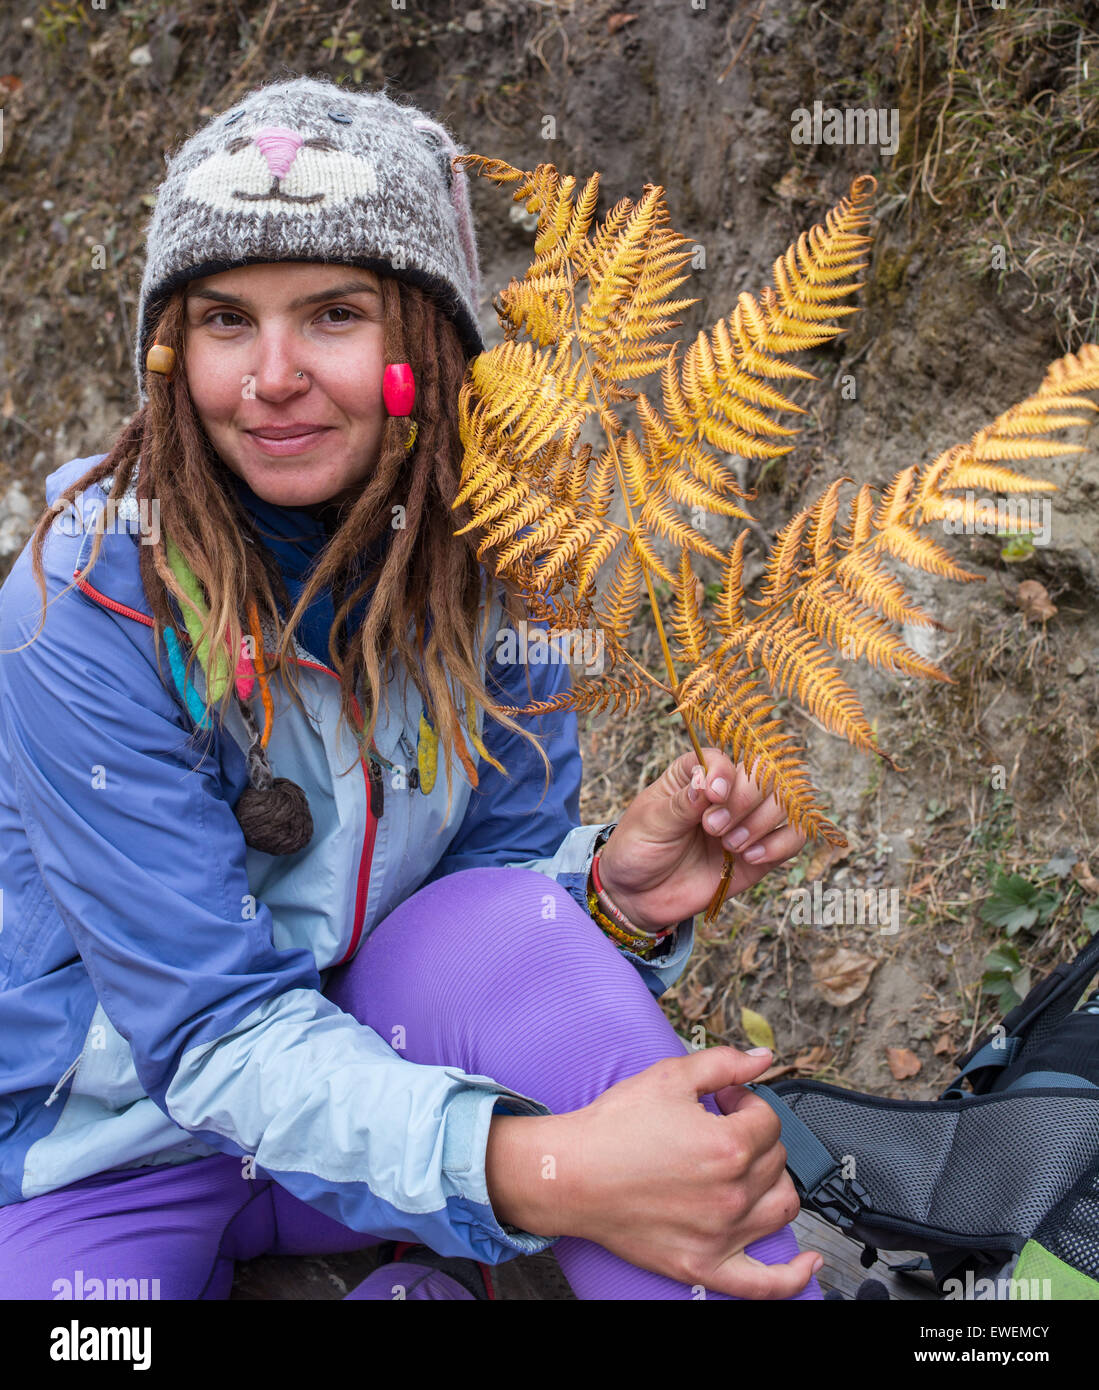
[{"x": 293, "y": 444}]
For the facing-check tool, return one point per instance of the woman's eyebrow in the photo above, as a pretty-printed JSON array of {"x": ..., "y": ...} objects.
[{"x": 334, "y": 292}]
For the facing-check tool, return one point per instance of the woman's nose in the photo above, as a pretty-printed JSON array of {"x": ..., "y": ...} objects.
[
  {"x": 279, "y": 146},
  {"x": 277, "y": 364}
]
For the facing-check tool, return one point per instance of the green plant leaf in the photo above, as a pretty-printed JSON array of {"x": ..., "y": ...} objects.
[
  {"x": 1005, "y": 977},
  {"x": 1015, "y": 903}
]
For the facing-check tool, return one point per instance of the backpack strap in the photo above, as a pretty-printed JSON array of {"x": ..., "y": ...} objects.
[
  {"x": 1027, "y": 1024},
  {"x": 818, "y": 1176}
]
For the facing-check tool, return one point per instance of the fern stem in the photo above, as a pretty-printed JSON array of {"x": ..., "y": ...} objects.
[{"x": 729, "y": 859}]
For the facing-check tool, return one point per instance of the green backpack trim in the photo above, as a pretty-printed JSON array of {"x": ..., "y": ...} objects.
[{"x": 1036, "y": 1262}]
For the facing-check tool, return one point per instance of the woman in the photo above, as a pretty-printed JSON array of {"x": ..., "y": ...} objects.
[{"x": 267, "y": 989}]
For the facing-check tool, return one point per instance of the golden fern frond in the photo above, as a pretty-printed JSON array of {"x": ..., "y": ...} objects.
[
  {"x": 623, "y": 597},
  {"x": 594, "y": 306},
  {"x": 1072, "y": 373},
  {"x": 863, "y": 577},
  {"x": 783, "y": 561},
  {"x": 611, "y": 694},
  {"x": 921, "y": 552},
  {"x": 735, "y": 715},
  {"x": 797, "y": 664},
  {"x": 729, "y": 608},
  {"x": 856, "y": 631},
  {"x": 687, "y": 624}
]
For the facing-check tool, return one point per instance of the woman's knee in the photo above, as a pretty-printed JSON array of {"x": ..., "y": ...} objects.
[{"x": 476, "y": 920}]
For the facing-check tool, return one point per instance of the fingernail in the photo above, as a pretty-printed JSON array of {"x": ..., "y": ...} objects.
[
  {"x": 693, "y": 793},
  {"x": 759, "y": 1052},
  {"x": 698, "y": 778},
  {"x": 818, "y": 1265},
  {"x": 736, "y": 839},
  {"x": 754, "y": 854},
  {"x": 719, "y": 786},
  {"x": 718, "y": 820}
]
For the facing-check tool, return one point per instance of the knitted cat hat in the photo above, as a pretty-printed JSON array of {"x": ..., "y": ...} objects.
[{"x": 304, "y": 170}]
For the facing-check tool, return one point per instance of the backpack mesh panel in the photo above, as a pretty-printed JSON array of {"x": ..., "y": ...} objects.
[
  {"x": 1071, "y": 1230},
  {"x": 983, "y": 1167}
]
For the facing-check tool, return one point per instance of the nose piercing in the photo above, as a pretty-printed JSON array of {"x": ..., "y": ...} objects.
[{"x": 301, "y": 374}]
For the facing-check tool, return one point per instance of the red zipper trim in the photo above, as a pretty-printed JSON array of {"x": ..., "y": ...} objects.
[
  {"x": 85, "y": 587},
  {"x": 363, "y": 882}
]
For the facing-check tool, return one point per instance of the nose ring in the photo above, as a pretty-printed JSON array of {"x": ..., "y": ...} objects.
[{"x": 301, "y": 374}]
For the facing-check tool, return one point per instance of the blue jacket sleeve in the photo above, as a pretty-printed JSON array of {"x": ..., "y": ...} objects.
[
  {"x": 135, "y": 838},
  {"x": 508, "y": 821}
]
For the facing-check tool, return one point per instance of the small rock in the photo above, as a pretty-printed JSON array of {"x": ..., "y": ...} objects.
[
  {"x": 141, "y": 57},
  {"x": 1077, "y": 666},
  {"x": 16, "y": 518},
  {"x": 474, "y": 22}
]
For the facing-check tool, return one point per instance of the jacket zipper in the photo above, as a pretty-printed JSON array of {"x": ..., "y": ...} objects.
[
  {"x": 363, "y": 883},
  {"x": 367, "y": 854}
]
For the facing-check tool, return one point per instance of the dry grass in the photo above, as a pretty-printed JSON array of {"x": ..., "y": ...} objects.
[{"x": 1000, "y": 129}]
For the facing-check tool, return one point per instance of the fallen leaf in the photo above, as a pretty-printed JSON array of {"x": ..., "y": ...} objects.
[
  {"x": 1081, "y": 872},
  {"x": 811, "y": 1060},
  {"x": 1033, "y": 598},
  {"x": 773, "y": 1073},
  {"x": 824, "y": 859},
  {"x": 748, "y": 962},
  {"x": 617, "y": 20},
  {"x": 794, "y": 185},
  {"x": 695, "y": 1002},
  {"x": 903, "y": 1062},
  {"x": 7, "y": 410},
  {"x": 943, "y": 1045},
  {"x": 756, "y": 1029},
  {"x": 841, "y": 975}
]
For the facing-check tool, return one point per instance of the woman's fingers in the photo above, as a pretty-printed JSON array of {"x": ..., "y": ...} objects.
[{"x": 744, "y": 1277}]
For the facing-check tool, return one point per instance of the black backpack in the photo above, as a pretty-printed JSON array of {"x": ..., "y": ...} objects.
[{"x": 1008, "y": 1168}]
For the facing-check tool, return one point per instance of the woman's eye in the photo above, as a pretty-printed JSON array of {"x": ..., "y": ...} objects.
[{"x": 230, "y": 314}]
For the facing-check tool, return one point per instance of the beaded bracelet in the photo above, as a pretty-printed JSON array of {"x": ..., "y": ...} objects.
[
  {"x": 622, "y": 930},
  {"x": 639, "y": 945}
]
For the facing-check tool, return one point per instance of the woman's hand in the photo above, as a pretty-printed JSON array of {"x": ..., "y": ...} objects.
[
  {"x": 651, "y": 1175},
  {"x": 664, "y": 858}
]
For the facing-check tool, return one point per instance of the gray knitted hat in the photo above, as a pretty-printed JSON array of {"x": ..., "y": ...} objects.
[{"x": 305, "y": 170}]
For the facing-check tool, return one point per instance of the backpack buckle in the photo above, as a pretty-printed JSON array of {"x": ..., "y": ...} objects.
[{"x": 838, "y": 1199}]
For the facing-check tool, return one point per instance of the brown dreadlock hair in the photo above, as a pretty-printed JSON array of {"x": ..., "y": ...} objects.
[{"x": 424, "y": 566}]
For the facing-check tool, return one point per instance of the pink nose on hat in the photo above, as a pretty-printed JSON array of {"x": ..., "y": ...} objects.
[{"x": 279, "y": 147}]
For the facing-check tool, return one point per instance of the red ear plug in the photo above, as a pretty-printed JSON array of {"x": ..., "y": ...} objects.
[{"x": 399, "y": 388}]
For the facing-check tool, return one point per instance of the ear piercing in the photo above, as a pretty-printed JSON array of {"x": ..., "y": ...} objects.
[
  {"x": 160, "y": 359},
  {"x": 399, "y": 395}
]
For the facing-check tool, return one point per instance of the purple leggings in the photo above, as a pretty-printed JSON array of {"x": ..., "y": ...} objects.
[{"x": 466, "y": 966}]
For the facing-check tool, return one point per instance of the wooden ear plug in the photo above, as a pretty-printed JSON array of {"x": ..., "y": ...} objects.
[{"x": 160, "y": 359}]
